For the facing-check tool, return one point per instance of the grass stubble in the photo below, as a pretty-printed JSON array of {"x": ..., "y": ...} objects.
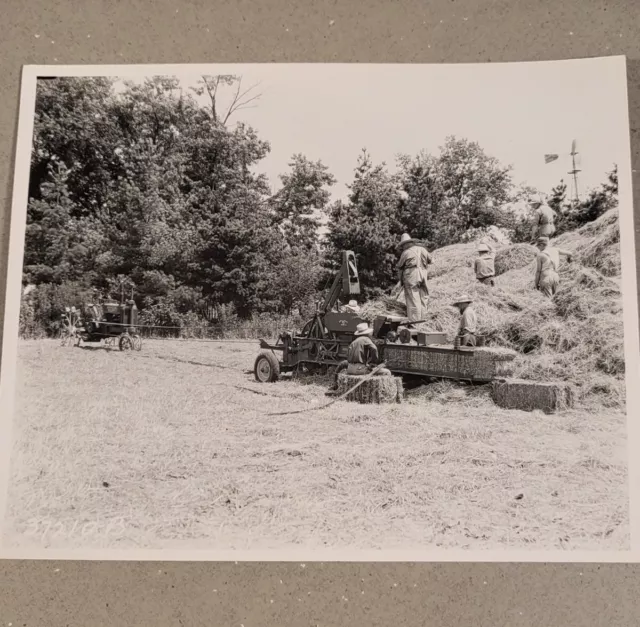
[{"x": 171, "y": 447}]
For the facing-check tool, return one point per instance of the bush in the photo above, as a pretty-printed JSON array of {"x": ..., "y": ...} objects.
[{"x": 41, "y": 309}]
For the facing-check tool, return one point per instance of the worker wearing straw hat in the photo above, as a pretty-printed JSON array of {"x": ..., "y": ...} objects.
[
  {"x": 547, "y": 264},
  {"x": 468, "y": 321},
  {"x": 363, "y": 352},
  {"x": 351, "y": 307},
  {"x": 543, "y": 218},
  {"x": 412, "y": 269},
  {"x": 484, "y": 265}
]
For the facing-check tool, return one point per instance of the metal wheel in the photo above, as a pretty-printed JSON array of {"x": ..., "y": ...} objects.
[
  {"x": 267, "y": 367},
  {"x": 70, "y": 327},
  {"x": 137, "y": 342},
  {"x": 125, "y": 343}
]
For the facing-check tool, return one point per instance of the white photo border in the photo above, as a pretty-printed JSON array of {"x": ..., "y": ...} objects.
[{"x": 8, "y": 351}]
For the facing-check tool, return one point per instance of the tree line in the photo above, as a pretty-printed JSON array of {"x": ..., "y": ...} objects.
[{"x": 157, "y": 184}]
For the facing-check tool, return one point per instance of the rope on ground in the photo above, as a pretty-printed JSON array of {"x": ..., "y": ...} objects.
[{"x": 335, "y": 400}]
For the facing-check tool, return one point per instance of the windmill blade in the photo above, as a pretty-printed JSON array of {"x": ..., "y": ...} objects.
[
  {"x": 574, "y": 147},
  {"x": 549, "y": 158}
]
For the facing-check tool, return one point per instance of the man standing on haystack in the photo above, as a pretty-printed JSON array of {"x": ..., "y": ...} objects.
[
  {"x": 547, "y": 264},
  {"x": 484, "y": 265},
  {"x": 543, "y": 218},
  {"x": 412, "y": 270}
]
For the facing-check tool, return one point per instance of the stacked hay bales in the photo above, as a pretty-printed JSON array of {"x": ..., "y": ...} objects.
[{"x": 576, "y": 337}]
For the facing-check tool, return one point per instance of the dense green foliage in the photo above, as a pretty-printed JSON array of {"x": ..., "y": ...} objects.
[{"x": 159, "y": 185}]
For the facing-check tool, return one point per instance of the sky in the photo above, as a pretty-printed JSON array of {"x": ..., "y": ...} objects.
[{"x": 517, "y": 112}]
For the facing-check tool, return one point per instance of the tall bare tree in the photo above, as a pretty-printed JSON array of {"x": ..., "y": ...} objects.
[{"x": 240, "y": 99}]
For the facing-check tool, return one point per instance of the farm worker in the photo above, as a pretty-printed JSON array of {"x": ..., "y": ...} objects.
[
  {"x": 412, "y": 270},
  {"x": 468, "y": 321},
  {"x": 352, "y": 307},
  {"x": 362, "y": 352},
  {"x": 484, "y": 265},
  {"x": 547, "y": 264},
  {"x": 543, "y": 218}
]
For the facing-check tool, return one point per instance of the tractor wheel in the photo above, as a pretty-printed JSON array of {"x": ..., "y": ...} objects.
[
  {"x": 125, "y": 343},
  {"x": 267, "y": 367},
  {"x": 137, "y": 342}
]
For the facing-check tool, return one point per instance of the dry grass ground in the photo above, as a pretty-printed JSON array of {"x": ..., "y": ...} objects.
[{"x": 171, "y": 448}]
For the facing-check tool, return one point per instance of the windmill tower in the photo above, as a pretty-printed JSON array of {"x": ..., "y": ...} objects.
[{"x": 575, "y": 169}]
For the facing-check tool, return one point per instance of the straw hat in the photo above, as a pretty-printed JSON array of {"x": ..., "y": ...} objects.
[
  {"x": 483, "y": 248},
  {"x": 363, "y": 329},
  {"x": 462, "y": 300},
  {"x": 406, "y": 239},
  {"x": 353, "y": 303}
]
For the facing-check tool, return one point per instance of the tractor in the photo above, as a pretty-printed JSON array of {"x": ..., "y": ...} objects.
[{"x": 109, "y": 320}]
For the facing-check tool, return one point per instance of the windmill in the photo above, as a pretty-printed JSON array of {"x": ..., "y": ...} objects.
[
  {"x": 575, "y": 162},
  {"x": 574, "y": 158}
]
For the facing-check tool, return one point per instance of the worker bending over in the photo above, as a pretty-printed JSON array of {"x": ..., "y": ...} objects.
[
  {"x": 362, "y": 355},
  {"x": 547, "y": 264},
  {"x": 484, "y": 265},
  {"x": 468, "y": 321},
  {"x": 543, "y": 219},
  {"x": 412, "y": 270}
]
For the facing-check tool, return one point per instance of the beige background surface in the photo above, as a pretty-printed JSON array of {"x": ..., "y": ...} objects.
[{"x": 164, "y": 31}]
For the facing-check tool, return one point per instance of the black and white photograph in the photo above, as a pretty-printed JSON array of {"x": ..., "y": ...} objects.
[{"x": 336, "y": 309}]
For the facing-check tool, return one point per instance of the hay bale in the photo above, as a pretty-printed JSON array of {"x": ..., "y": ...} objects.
[
  {"x": 532, "y": 395},
  {"x": 514, "y": 257},
  {"x": 377, "y": 389}
]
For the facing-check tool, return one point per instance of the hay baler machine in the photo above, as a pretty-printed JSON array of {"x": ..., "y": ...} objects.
[
  {"x": 406, "y": 350},
  {"x": 115, "y": 323}
]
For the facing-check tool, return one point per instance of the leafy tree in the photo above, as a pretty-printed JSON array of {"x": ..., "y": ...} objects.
[
  {"x": 304, "y": 196},
  {"x": 597, "y": 202},
  {"x": 435, "y": 198},
  {"x": 462, "y": 188},
  {"x": 147, "y": 182},
  {"x": 368, "y": 225}
]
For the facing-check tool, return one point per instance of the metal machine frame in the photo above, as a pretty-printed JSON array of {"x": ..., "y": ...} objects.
[{"x": 324, "y": 340}]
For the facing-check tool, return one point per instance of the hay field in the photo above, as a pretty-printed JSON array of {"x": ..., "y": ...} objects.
[{"x": 171, "y": 448}]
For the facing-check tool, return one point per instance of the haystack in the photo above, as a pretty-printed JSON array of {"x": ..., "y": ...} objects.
[
  {"x": 597, "y": 244},
  {"x": 576, "y": 337},
  {"x": 383, "y": 306},
  {"x": 514, "y": 257}
]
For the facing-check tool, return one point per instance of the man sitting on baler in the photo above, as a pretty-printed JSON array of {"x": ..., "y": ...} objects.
[{"x": 362, "y": 355}]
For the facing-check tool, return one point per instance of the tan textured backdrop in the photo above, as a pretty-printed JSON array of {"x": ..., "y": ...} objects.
[{"x": 82, "y": 594}]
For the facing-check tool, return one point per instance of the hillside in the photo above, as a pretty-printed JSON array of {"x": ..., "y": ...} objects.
[{"x": 577, "y": 337}]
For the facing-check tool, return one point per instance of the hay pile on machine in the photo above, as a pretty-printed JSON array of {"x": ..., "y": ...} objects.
[
  {"x": 405, "y": 350},
  {"x": 108, "y": 321}
]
